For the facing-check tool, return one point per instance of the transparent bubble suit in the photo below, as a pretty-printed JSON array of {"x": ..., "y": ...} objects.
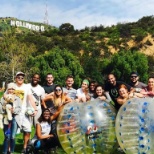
[
  {"x": 87, "y": 128},
  {"x": 135, "y": 126}
]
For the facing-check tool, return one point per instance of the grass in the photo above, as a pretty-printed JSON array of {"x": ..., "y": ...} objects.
[{"x": 19, "y": 142}]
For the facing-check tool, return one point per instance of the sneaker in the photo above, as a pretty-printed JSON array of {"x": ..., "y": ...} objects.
[{"x": 23, "y": 151}]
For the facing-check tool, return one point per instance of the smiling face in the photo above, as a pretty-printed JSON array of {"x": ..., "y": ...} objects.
[
  {"x": 111, "y": 79},
  {"x": 151, "y": 83},
  {"x": 84, "y": 86},
  {"x": 58, "y": 91},
  {"x": 35, "y": 79},
  {"x": 99, "y": 91},
  {"x": 123, "y": 92},
  {"x": 69, "y": 82},
  {"x": 46, "y": 115},
  {"x": 49, "y": 79},
  {"x": 19, "y": 79},
  {"x": 134, "y": 78}
]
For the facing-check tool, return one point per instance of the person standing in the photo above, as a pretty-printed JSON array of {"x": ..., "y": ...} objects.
[
  {"x": 10, "y": 126},
  {"x": 38, "y": 94},
  {"x": 23, "y": 91},
  {"x": 112, "y": 87},
  {"x": 49, "y": 88},
  {"x": 82, "y": 93},
  {"x": 68, "y": 89},
  {"x": 135, "y": 83}
]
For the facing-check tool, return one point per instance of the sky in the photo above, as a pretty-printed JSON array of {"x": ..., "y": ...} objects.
[{"x": 79, "y": 13}]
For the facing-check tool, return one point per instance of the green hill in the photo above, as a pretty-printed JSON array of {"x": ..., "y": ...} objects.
[{"x": 94, "y": 47}]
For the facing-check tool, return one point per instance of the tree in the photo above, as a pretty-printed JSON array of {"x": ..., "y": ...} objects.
[
  {"x": 14, "y": 56},
  {"x": 124, "y": 62},
  {"x": 66, "y": 28},
  {"x": 58, "y": 62}
]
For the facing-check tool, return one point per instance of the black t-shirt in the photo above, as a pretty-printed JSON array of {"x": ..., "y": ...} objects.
[
  {"x": 113, "y": 91},
  {"x": 48, "y": 89}
]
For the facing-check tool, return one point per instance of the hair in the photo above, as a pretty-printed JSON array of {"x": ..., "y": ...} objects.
[
  {"x": 55, "y": 102},
  {"x": 111, "y": 74},
  {"x": 36, "y": 74},
  {"x": 69, "y": 76},
  {"x": 122, "y": 86},
  {"x": 41, "y": 118},
  {"x": 49, "y": 74},
  {"x": 95, "y": 95}
]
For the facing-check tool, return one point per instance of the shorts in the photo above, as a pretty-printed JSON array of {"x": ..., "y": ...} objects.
[{"x": 25, "y": 124}]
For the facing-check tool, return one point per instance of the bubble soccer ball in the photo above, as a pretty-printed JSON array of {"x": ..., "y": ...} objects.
[
  {"x": 135, "y": 126},
  {"x": 86, "y": 128}
]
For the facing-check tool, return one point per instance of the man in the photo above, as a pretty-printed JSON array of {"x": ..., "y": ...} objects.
[
  {"x": 23, "y": 91},
  {"x": 112, "y": 87},
  {"x": 38, "y": 94},
  {"x": 69, "y": 90},
  {"x": 135, "y": 83},
  {"x": 49, "y": 87}
]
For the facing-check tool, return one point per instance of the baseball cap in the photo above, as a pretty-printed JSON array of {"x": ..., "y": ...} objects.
[
  {"x": 11, "y": 86},
  {"x": 134, "y": 73},
  {"x": 20, "y": 73}
]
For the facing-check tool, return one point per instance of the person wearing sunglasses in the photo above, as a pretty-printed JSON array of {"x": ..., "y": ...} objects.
[
  {"x": 10, "y": 124},
  {"x": 59, "y": 99},
  {"x": 24, "y": 93},
  {"x": 112, "y": 86},
  {"x": 135, "y": 83}
]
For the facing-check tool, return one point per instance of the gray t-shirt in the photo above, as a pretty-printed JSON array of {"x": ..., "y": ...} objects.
[
  {"x": 70, "y": 92},
  {"x": 139, "y": 86}
]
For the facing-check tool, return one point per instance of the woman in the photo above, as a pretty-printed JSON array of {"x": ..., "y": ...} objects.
[
  {"x": 83, "y": 92},
  {"x": 11, "y": 126},
  {"x": 124, "y": 95},
  {"x": 99, "y": 93},
  {"x": 149, "y": 90},
  {"x": 59, "y": 100},
  {"x": 44, "y": 137},
  {"x": 92, "y": 87}
]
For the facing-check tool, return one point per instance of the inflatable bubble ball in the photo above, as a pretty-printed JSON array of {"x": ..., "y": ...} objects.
[
  {"x": 135, "y": 126},
  {"x": 87, "y": 128}
]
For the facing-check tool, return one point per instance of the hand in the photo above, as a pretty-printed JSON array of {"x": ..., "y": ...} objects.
[
  {"x": 34, "y": 114},
  {"x": 12, "y": 110}
]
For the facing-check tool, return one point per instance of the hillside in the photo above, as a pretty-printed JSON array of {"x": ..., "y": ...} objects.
[{"x": 94, "y": 47}]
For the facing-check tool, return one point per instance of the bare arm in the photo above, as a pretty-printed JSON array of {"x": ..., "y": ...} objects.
[
  {"x": 121, "y": 101},
  {"x": 47, "y": 98},
  {"x": 39, "y": 135}
]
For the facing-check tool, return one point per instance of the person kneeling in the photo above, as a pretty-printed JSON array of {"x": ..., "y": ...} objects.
[{"x": 45, "y": 139}]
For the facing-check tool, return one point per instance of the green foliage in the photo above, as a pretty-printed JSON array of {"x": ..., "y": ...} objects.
[
  {"x": 66, "y": 28},
  {"x": 124, "y": 62},
  {"x": 58, "y": 62}
]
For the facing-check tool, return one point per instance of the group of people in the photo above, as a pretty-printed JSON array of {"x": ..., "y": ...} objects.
[{"x": 48, "y": 100}]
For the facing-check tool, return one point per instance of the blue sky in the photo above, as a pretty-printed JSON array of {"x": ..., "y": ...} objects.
[{"x": 79, "y": 13}]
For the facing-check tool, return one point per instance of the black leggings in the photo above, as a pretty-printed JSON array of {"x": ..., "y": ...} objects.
[{"x": 47, "y": 144}]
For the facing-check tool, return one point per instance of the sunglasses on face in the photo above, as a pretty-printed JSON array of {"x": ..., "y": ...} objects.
[
  {"x": 20, "y": 78},
  {"x": 133, "y": 76},
  {"x": 58, "y": 89}
]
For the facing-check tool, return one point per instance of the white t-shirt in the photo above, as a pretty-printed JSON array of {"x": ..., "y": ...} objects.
[
  {"x": 45, "y": 128},
  {"x": 80, "y": 93},
  {"x": 23, "y": 91},
  {"x": 38, "y": 94}
]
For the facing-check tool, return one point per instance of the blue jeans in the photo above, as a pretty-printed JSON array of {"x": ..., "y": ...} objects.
[{"x": 10, "y": 134}]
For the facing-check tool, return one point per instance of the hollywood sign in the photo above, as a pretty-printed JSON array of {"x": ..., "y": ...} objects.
[{"x": 27, "y": 25}]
